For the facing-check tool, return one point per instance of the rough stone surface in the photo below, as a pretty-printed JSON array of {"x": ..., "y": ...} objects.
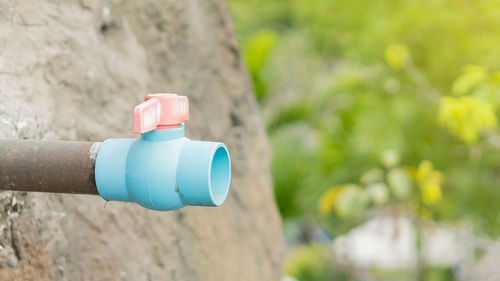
[{"x": 74, "y": 70}]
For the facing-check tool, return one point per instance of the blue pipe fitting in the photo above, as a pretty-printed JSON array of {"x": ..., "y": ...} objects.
[{"x": 163, "y": 170}]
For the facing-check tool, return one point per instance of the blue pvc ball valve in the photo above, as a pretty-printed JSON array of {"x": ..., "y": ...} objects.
[{"x": 163, "y": 170}]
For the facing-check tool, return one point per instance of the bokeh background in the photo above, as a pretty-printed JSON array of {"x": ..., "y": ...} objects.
[{"x": 383, "y": 120}]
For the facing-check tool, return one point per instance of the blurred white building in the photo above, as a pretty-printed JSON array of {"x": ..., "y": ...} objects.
[{"x": 389, "y": 242}]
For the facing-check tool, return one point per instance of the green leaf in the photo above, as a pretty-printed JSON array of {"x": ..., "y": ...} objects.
[
  {"x": 390, "y": 158},
  {"x": 351, "y": 201},
  {"x": 256, "y": 51},
  {"x": 400, "y": 182},
  {"x": 372, "y": 176},
  {"x": 397, "y": 55},
  {"x": 379, "y": 193},
  {"x": 471, "y": 77}
]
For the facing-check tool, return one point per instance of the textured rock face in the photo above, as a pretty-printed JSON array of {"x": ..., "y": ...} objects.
[{"x": 74, "y": 70}]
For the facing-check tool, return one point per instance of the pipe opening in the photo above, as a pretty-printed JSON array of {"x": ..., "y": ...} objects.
[{"x": 220, "y": 175}]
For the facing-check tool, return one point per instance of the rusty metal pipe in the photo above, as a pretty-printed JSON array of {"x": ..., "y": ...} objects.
[{"x": 48, "y": 166}]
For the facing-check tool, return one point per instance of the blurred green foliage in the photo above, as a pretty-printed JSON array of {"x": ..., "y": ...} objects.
[
  {"x": 258, "y": 48},
  {"x": 376, "y": 103},
  {"x": 311, "y": 262}
]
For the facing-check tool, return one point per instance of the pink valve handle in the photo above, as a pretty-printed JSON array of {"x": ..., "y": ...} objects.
[{"x": 160, "y": 111}]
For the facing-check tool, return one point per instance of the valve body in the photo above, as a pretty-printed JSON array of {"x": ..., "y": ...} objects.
[{"x": 163, "y": 170}]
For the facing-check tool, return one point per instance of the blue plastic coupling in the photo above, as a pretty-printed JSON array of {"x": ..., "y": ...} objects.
[{"x": 163, "y": 170}]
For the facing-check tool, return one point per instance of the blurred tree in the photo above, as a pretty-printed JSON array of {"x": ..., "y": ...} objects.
[{"x": 376, "y": 104}]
